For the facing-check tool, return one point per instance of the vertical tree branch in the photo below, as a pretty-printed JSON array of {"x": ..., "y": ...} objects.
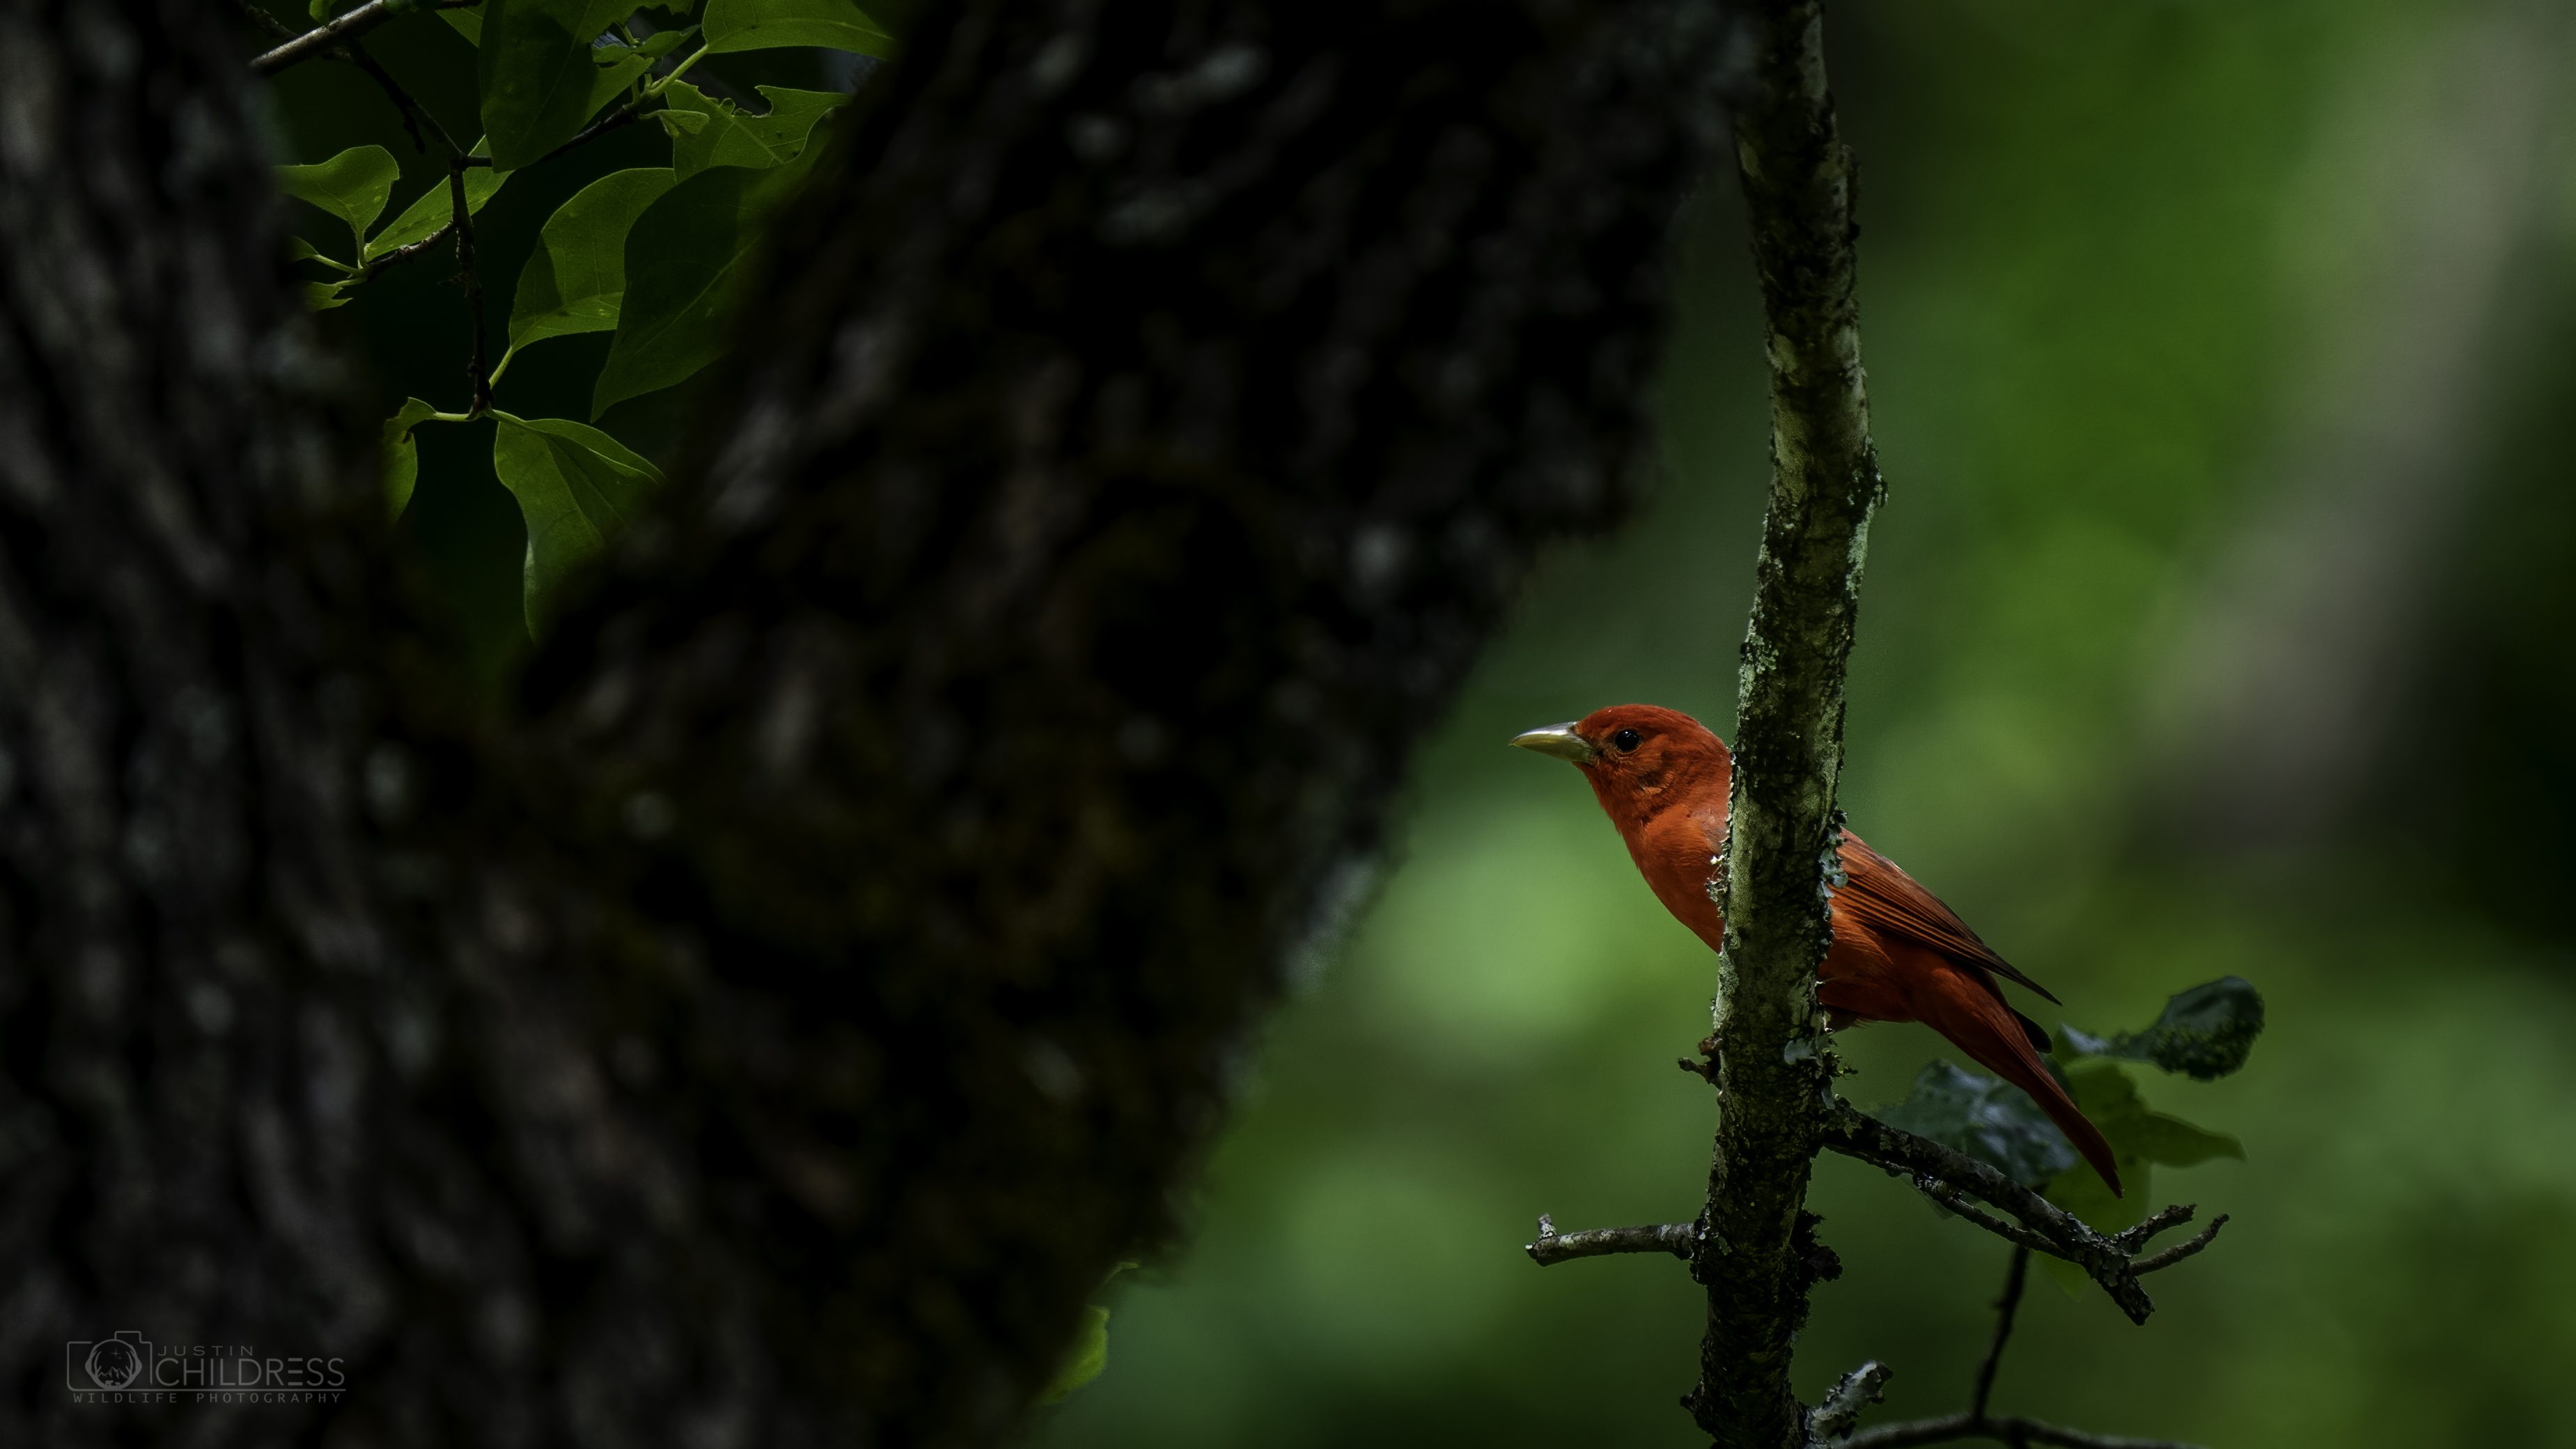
[{"x": 1772, "y": 1072}]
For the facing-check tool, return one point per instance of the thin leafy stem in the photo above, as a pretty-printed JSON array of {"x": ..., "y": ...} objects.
[
  {"x": 625, "y": 114},
  {"x": 656, "y": 87},
  {"x": 463, "y": 226},
  {"x": 405, "y": 253},
  {"x": 2006, "y": 1307},
  {"x": 414, "y": 114}
]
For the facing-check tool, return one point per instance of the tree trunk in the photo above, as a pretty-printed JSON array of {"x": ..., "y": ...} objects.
[
  {"x": 771, "y": 1027},
  {"x": 1757, "y": 1255}
]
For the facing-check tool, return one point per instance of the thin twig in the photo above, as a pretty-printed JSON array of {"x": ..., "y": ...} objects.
[
  {"x": 2131, "y": 1239},
  {"x": 463, "y": 225},
  {"x": 2179, "y": 1251},
  {"x": 2005, "y": 1307},
  {"x": 610, "y": 122},
  {"x": 2019, "y": 1432},
  {"x": 1941, "y": 1171},
  {"x": 407, "y": 252},
  {"x": 1555, "y": 1247},
  {"x": 1956, "y": 1202},
  {"x": 1841, "y": 1408},
  {"x": 2015, "y": 1431},
  {"x": 624, "y": 115},
  {"x": 414, "y": 114},
  {"x": 349, "y": 27}
]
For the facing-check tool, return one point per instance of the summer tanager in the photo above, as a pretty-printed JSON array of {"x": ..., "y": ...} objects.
[{"x": 1898, "y": 953}]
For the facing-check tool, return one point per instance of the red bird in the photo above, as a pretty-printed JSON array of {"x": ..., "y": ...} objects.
[{"x": 1899, "y": 954}]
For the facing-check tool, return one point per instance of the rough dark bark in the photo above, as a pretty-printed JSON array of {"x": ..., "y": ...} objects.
[
  {"x": 1773, "y": 1072},
  {"x": 771, "y": 1028}
]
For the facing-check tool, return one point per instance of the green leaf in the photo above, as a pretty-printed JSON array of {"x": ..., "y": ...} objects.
[
  {"x": 1090, "y": 1355},
  {"x": 300, "y": 250},
  {"x": 402, "y": 456},
  {"x": 2109, "y": 1096},
  {"x": 763, "y": 24},
  {"x": 434, "y": 208},
  {"x": 323, "y": 296},
  {"x": 468, "y": 23},
  {"x": 2204, "y": 1033},
  {"x": 684, "y": 262},
  {"x": 662, "y": 42},
  {"x": 1992, "y": 1121},
  {"x": 576, "y": 276},
  {"x": 352, "y": 186},
  {"x": 730, "y": 136},
  {"x": 540, "y": 78},
  {"x": 1090, "y": 1348},
  {"x": 577, "y": 488},
  {"x": 2140, "y": 1138}
]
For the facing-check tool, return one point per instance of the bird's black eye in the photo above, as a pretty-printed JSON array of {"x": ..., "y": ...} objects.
[{"x": 1626, "y": 740}]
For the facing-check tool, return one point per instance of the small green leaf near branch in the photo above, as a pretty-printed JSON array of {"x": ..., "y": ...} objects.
[
  {"x": 1090, "y": 1355},
  {"x": 402, "y": 455},
  {"x": 352, "y": 186},
  {"x": 2203, "y": 1033},
  {"x": 434, "y": 208},
  {"x": 685, "y": 257},
  {"x": 1990, "y": 1120},
  {"x": 1090, "y": 1349},
  {"x": 539, "y": 78},
  {"x": 733, "y": 25},
  {"x": 726, "y": 135},
  {"x": 2206, "y": 1031},
  {"x": 577, "y": 489},
  {"x": 575, "y": 279}
]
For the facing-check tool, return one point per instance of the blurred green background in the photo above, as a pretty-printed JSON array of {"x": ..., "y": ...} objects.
[{"x": 2216, "y": 623}]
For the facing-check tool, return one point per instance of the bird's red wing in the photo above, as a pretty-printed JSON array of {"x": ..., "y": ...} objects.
[{"x": 1885, "y": 899}]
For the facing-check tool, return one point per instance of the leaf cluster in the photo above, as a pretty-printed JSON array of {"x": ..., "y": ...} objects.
[
  {"x": 655, "y": 256},
  {"x": 2204, "y": 1033}
]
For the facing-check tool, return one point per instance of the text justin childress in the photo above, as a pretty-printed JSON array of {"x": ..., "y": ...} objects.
[{"x": 222, "y": 1373}]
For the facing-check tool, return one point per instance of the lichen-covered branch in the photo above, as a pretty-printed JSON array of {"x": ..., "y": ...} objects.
[
  {"x": 1843, "y": 1403},
  {"x": 2181, "y": 1250},
  {"x": 1949, "y": 1178},
  {"x": 1552, "y": 1246},
  {"x": 1771, "y": 1072}
]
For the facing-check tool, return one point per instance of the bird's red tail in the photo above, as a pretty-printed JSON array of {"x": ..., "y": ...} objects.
[{"x": 1977, "y": 1022}]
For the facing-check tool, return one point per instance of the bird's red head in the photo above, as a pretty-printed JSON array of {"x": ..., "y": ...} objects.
[{"x": 1639, "y": 757}]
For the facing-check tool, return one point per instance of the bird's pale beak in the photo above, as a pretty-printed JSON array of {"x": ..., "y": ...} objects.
[{"x": 1558, "y": 740}]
